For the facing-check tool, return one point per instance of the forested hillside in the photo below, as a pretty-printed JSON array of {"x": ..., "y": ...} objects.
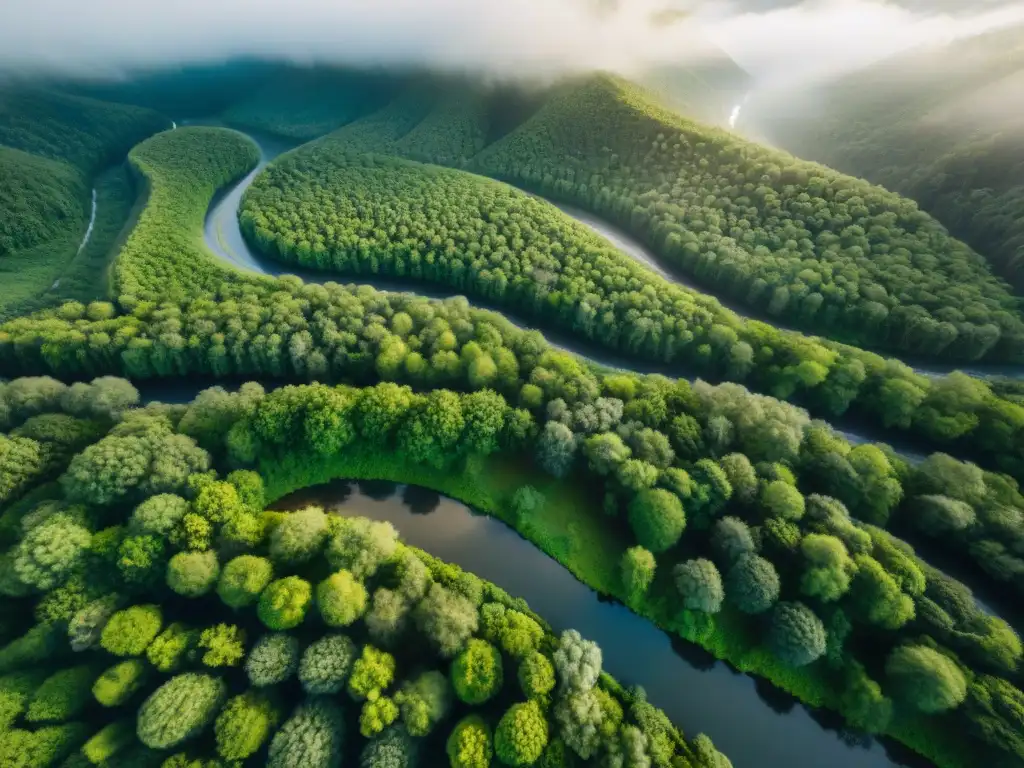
[
  {"x": 304, "y": 104},
  {"x": 86, "y": 133},
  {"x": 794, "y": 239},
  {"x": 40, "y": 200},
  {"x": 942, "y": 125},
  {"x": 52, "y": 146}
]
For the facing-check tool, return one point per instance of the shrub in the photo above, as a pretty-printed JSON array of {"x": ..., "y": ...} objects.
[
  {"x": 141, "y": 560},
  {"x": 780, "y": 499},
  {"x": 373, "y": 671},
  {"x": 42, "y": 747},
  {"x": 244, "y": 724},
  {"x": 158, "y": 515},
  {"x": 312, "y": 737},
  {"x": 378, "y": 713},
  {"x": 700, "y": 585},
  {"x": 796, "y": 634},
  {"x": 388, "y": 616},
  {"x": 577, "y": 661},
  {"x": 476, "y": 672},
  {"x": 15, "y": 691},
  {"x": 446, "y": 620},
  {"x": 527, "y": 503},
  {"x": 223, "y": 645},
  {"x": 521, "y": 735},
  {"x": 326, "y": 664},
  {"x": 516, "y": 633},
  {"x": 110, "y": 740},
  {"x": 637, "y": 571},
  {"x": 752, "y": 584},
  {"x": 657, "y": 519},
  {"x": 731, "y": 539},
  {"x": 579, "y": 716},
  {"x": 829, "y": 567},
  {"x": 129, "y": 632},
  {"x": 192, "y": 574},
  {"x": 62, "y": 696},
  {"x": 86, "y": 627},
  {"x": 299, "y": 537},
  {"x": 284, "y": 602},
  {"x": 36, "y": 645},
  {"x": 178, "y": 710},
  {"x": 391, "y": 749},
  {"x": 243, "y": 579},
  {"x": 172, "y": 647},
  {"x": 341, "y": 599},
  {"x": 536, "y": 675},
  {"x": 361, "y": 546},
  {"x": 273, "y": 659},
  {"x": 926, "y": 679},
  {"x": 50, "y": 552},
  {"x": 424, "y": 702},
  {"x": 470, "y": 744},
  {"x": 120, "y": 682}
]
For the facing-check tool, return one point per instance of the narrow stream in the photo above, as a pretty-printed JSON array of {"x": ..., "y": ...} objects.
[
  {"x": 755, "y": 725},
  {"x": 92, "y": 223}
]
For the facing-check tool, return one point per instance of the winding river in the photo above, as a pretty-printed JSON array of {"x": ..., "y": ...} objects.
[
  {"x": 754, "y": 724},
  {"x": 223, "y": 236}
]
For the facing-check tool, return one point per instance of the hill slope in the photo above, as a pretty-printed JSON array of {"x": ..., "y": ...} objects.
[
  {"x": 86, "y": 133},
  {"x": 796, "y": 240},
  {"x": 52, "y": 145}
]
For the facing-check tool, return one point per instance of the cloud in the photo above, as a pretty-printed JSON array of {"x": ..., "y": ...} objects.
[
  {"x": 791, "y": 42},
  {"x": 506, "y": 37}
]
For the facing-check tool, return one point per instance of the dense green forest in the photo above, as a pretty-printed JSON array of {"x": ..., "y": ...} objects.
[
  {"x": 156, "y": 614},
  {"x": 619, "y": 304},
  {"x": 938, "y": 124},
  {"x": 728, "y": 551},
  {"x": 85, "y": 133},
  {"x": 41, "y": 200}
]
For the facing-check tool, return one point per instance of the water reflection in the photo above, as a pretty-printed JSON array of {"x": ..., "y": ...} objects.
[
  {"x": 776, "y": 698},
  {"x": 693, "y": 654},
  {"x": 419, "y": 500}
]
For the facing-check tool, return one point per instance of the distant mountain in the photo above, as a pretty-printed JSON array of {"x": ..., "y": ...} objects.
[{"x": 943, "y": 125}]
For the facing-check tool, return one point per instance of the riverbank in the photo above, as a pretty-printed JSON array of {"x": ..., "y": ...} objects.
[{"x": 587, "y": 545}]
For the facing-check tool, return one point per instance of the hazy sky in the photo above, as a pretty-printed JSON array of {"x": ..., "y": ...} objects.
[{"x": 774, "y": 39}]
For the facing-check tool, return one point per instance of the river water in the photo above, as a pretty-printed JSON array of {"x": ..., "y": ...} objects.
[{"x": 755, "y": 725}]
